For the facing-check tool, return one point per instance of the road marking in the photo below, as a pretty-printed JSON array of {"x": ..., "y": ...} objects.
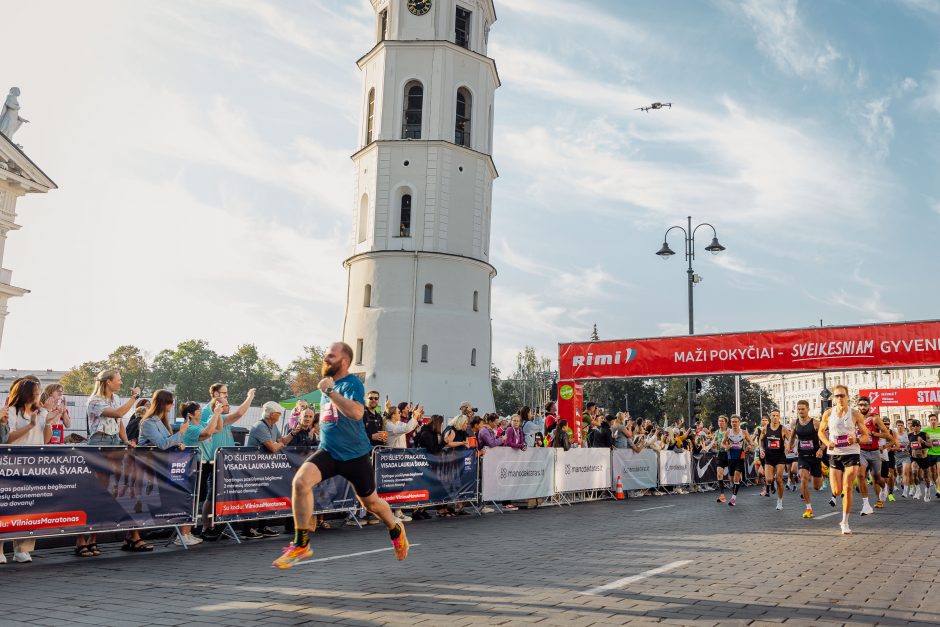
[
  {"x": 827, "y": 515},
  {"x": 646, "y": 509},
  {"x": 339, "y": 557},
  {"x": 634, "y": 578}
]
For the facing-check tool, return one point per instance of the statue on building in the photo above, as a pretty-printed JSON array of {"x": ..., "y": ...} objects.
[{"x": 10, "y": 119}]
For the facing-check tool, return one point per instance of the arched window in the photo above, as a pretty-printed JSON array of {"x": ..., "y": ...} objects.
[
  {"x": 428, "y": 293},
  {"x": 473, "y": 357},
  {"x": 367, "y": 296},
  {"x": 370, "y": 117},
  {"x": 462, "y": 124},
  {"x": 414, "y": 104},
  {"x": 363, "y": 218},
  {"x": 476, "y": 300},
  {"x": 424, "y": 353},
  {"x": 404, "y": 221}
]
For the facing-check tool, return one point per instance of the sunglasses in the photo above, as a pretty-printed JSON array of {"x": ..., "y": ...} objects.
[
  {"x": 373, "y": 398},
  {"x": 839, "y": 395}
]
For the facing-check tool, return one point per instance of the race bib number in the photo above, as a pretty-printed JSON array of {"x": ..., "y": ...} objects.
[
  {"x": 806, "y": 445},
  {"x": 773, "y": 444},
  {"x": 328, "y": 413},
  {"x": 736, "y": 446},
  {"x": 842, "y": 440},
  {"x": 902, "y": 446},
  {"x": 935, "y": 442},
  {"x": 915, "y": 446}
]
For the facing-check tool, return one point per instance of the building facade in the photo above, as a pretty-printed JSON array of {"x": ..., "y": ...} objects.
[
  {"x": 787, "y": 389},
  {"x": 419, "y": 277}
]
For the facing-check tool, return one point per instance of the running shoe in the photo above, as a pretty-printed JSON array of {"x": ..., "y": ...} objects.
[
  {"x": 731, "y": 502},
  {"x": 926, "y": 496},
  {"x": 891, "y": 498},
  {"x": 779, "y": 504},
  {"x": 917, "y": 493},
  {"x": 267, "y": 532},
  {"x": 722, "y": 499},
  {"x": 401, "y": 545},
  {"x": 832, "y": 501},
  {"x": 808, "y": 513},
  {"x": 879, "y": 504},
  {"x": 866, "y": 509},
  {"x": 292, "y": 555},
  {"x": 845, "y": 529}
]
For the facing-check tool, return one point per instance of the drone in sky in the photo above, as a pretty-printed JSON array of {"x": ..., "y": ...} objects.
[{"x": 655, "y": 105}]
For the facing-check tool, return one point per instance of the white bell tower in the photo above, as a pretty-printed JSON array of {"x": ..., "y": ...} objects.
[{"x": 419, "y": 277}]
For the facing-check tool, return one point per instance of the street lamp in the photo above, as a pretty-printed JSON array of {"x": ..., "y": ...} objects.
[{"x": 665, "y": 252}]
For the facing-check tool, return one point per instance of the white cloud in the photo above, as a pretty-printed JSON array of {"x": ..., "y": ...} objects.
[
  {"x": 931, "y": 97},
  {"x": 782, "y": 36},
  {"x": 878, "y": 127},
  {"x": 557, "y": 12},
  {"x": 931, "y": 7},
  {"x": 866, "y": 300}
]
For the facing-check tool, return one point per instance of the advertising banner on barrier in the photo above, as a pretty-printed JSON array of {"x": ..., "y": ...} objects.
[
  {"x": 902, "y": 397},
  {"x": 705, "y": 468},
  {"x": 510, "y": 474},
  {"x": 582, "y": 469},
  {"x": 675, "y": 467},
  {"x": 412, "y": 476},
  {"x": 251, "y": 484},
  {"x": 750, "y": 468},
  {"x": 895, "y": 345},
  {"x": 637, "y": 471},
  {"x": 50, "y": 491}
]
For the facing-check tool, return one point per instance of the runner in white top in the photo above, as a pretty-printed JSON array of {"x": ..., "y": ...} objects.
[
  {"x": 837, "y": 432},
  {"x": 736, "y": 442}
]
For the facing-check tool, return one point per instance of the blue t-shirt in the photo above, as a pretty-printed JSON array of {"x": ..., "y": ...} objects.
[
  {"x": 191, "y": 437},
  {"x": 344, "y": 438},
  {"x": 223, "y": 438}
]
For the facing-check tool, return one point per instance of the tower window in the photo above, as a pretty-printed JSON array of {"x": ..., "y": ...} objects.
[
  {"x": 424, "y": 353},
  {"x": 359, "y": 351},
  {"x": 367, "y": 296},
  {"x": 476, "y": 300},
  {"x": 428, "y": 294},
  {"x": 462, "y": 123},
  {"x": 462, "y": 27},
  {"x": 404, "y": 224},
  {"x": 370, "y": 117},
  {"x": 414, "y": 105},
  {"x": 383, "y": 25},
  {"x": 473, "y": 357}
]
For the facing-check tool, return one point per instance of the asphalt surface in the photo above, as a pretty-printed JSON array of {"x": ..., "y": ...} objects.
[{"x": 681, "y": 559}]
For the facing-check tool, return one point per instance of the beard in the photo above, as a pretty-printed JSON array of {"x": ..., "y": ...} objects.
[
  {"x": 329, "y": 370},
  {"x": 864, "y": 410}
]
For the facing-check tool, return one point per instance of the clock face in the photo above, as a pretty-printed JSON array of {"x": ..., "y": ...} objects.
[{"x": 419, "y": 7}]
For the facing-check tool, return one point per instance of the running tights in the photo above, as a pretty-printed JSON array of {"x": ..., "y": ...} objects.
[{"x": 734, "y": 488}]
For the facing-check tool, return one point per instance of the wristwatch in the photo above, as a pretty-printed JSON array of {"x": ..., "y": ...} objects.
[{"x": 329, "y": 391}]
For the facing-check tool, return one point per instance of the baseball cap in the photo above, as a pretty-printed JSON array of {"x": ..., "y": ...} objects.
[
  {"x": 271, "y": 407},
  {"x": 466, "y": 405}
]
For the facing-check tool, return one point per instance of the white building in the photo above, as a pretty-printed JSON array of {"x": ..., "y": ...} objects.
[
  {"x": 8, "y": 376},
  {"x": 419, "y": 277},
  {"x": 18, "y": 176},
  {"x": 787, "y": 389}
]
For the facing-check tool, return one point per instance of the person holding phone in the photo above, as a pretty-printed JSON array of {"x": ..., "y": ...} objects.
[{"x": 56, "y": 412}]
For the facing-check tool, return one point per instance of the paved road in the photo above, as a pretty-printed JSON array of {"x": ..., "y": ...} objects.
[{"x": 744, "y": 565}]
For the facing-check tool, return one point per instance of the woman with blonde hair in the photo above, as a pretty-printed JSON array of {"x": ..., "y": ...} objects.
[{"x": 106, "y": 412}]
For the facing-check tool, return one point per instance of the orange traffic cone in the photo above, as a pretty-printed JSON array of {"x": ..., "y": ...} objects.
[{"x": 619, "y": 493}]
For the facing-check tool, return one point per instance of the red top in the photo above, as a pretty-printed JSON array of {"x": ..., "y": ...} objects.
[{"x": 873, "y": 445}]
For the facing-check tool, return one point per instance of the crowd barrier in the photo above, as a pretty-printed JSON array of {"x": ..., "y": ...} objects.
[{"x": 52, "y": 491}]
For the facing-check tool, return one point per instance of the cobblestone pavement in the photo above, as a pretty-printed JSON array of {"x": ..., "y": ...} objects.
[{"x": 745, "y": 565}]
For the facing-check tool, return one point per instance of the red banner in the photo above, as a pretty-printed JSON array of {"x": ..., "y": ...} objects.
[
  {"x": 570, "y": 402},
  {"x": 902, "y": 397},
  {"x": 900, "y": 345}
]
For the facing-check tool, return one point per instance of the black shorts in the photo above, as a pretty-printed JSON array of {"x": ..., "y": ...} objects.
[
  {"x": 934, "y": 459},
  {"x": 923, "y": 463},
  {"x": 887, "y": 467},
  {"x": 357, "y": 471},
  {"x": 841, "y": 462},
  {"x": 736, "y": 465},
  {"x": 775, "y": 460},
  {"x": 723, "y": 460},
  {"x": 812, "y": 464},
  {"x": 206, "y": 472}
]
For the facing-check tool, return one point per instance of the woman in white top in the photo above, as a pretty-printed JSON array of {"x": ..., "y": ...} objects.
[
  {"x": 397, "y": 430},
  {"x": 28, "y": 427},
  {"x": 838, "y": 431}
]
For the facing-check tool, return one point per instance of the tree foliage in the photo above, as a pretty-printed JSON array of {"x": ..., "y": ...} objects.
[{"x": 304, "y": 373}]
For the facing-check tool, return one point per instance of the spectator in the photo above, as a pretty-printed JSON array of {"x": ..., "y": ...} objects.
[
  {"x": 487, "y": 437},
  {"x": 297, "y": 412},
  {"x": 430, "y": 438},
  {"x": 29, "y": 425},
  {"x": 467, "y": 410},
  {"x": 52, "y": 401},
  {"x": 455, "y": 436},
  {"x": 193, "y": 435},
  {"x": 529, "y": 426},
  {"x": 264, "y": 435},
  {"x": 4, "y": 424},
  {"x": 372, "y": 419},
  {"x": 514, "y": 438},
  {"x": 550, "y": 417},
  {"x": 473, "y": 441},
  {"x": 502, "y": 425},
  {"x": 106, "y": 412},
  {"x": 397, "y": 427},
  {"x": 560, "y": 437},
  {"x": 155, "y": 431},
  {"x": 603, "y": 435},
  {"x": 307, "y": 431}
]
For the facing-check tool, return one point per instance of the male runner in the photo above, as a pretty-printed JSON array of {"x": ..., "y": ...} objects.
[
  {"x": 722, "y": 455},
  {"x": 804, "y": 437},
  {"x": 888, "y": 462},
  {"x": 919, "y": 445},
  {"x": 758, "y": 437},
  {"x": 736, "y": 442},
  {"x": 903, "y": 458},
  {"x": 837, "y": 431},
  {"x": 933, "y": 453},
  {"x": 344, "y": 450},
  {"x": 792, "y": 464},
  {"x": 870, "y": 456},
  {"x": 774, "y": 456}
]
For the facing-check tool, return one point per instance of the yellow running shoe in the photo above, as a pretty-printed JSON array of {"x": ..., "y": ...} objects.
[
  {"x": 401, "y": 544},
  {"x": 808, "y": 513},
  {"x": 879, "y": 504},
  {"x": 292, "y": 555}
]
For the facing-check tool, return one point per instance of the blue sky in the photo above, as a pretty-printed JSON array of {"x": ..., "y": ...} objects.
[{"x": 202, "y": 154}]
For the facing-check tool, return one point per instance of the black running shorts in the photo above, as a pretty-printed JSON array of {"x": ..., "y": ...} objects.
[
  {"x": 923, "y": 462},
  {"x": 841, "y": 462},
  {"x": 736, "y": 465},
  {"x": 357, "y": 471},
  {"x": 886, "y": 467},
  {"x": 812, "y": 464},
  {"x": 723, "y": 460},
  {"x": 776, "y": 460}
]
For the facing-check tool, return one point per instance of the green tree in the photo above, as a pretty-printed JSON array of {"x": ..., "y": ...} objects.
[
  {"x": 645, "y": 396},
  {"x": 132, "y": 364},
  {"x": 594, "y": 336},
  {"x": 192, "y": 366},
  {"x": 718, "y": 398},
  {"x": 81, "y": 379},
  {"x": 247, "y": 369},
  {"x": 304, "y": 373},
  {"x": 505, "y": 394},
  {"x": 675, "y": 401}
]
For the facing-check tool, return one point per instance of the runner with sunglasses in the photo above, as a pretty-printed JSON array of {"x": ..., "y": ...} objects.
[
  {"x": 736, "y": 442},
  {"x": 838, "y": 431},
  {"x": 870, "y": 456},
  {"x": 773, "y": 453},
  {"x": 804, "y": 438}
]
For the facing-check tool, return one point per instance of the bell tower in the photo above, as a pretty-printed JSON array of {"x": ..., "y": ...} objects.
[{"x": 419, "y": 277}]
